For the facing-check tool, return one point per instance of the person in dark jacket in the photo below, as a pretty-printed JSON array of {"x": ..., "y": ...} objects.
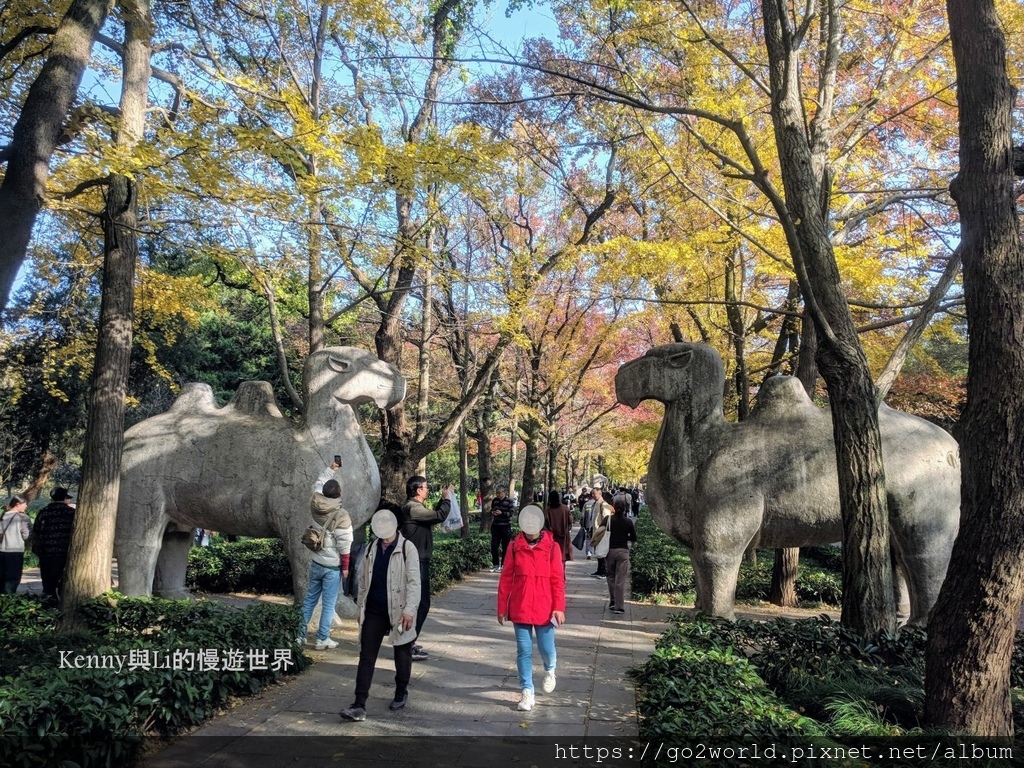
[
  {"x": 531, "y": 593},
  {"x": 621, "y": 533},
  {"x": 558, "y": 520},
  {"x": 51, "y": 539},
  {"x": 501, "y": 528},
  {"x": 416, "y": 524}
]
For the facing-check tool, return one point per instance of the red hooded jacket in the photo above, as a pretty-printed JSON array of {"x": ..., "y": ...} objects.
[{"x": 532, "y": 583}]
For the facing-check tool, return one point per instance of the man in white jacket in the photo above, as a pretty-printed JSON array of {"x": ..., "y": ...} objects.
[
  {"x": 331, "y": 563},
  {"x": 389, "y": 594}
]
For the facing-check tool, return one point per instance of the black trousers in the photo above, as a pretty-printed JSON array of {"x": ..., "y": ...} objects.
[
  {"x": 424, "y": 606},
  {"x": 501, "y": 535},
  {"x": 11, "y": 566},
  {"x": 375, "y": 628},
  {"x": 51, "y": 571}
]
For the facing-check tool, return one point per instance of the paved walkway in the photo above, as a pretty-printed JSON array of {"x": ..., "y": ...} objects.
[{"x": 468, "y": 688}]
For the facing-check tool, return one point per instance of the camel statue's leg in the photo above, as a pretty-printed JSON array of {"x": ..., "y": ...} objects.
[
  {"x": 925, "y": 570},
  {"x": 720, "y": 540},
  {"x": 298, "y": 556},
  {"x": 900, "y": 590},
  {"x": 716, "y": 584},
  {"x": 923, "y": 555},
  {"x": 137, "y": 546},
  {"x": 172, "y": 564}
]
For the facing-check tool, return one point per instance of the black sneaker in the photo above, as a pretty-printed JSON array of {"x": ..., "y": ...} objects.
[
  {"x": 618, "y": 610},
  {"x": 399, "y": 703},
  {"x": 418, "y": 654},
  {"x": 353, "y": 713}
]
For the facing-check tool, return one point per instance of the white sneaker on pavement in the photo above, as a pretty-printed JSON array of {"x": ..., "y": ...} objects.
[
  {"x": 323, "y": 645},
  {"x": 526, "y": 700},
  {"x": 549, "y": 681}
]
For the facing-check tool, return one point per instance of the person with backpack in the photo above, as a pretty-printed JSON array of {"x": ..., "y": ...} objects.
[
  {"x": 330, "y": 540},
  {"x": 389, "y": 596}
]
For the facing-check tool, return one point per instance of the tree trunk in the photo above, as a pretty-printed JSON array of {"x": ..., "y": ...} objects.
[
  {"x": 484, "y": 461},
  {"x": 46, "y": 467},
  {"x": 868, "y": 605},
  {"x": 35, "y": 135},
  {"x": 787, "y": 560},
  {"x": 423, "y": 391},
  {"x": 972, "y": 627},
  {"x": 531, "y": 437},
  {"x": 553, "y": 451},
  {"x": 92, "y": 544},
  {"x": 784, "y": 572},
  {"x": 464, "y": 481},
  {"x": 741, "y": 379}
]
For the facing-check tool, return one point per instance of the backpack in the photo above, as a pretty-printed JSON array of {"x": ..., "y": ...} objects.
[{"x": 313, "y": 538}]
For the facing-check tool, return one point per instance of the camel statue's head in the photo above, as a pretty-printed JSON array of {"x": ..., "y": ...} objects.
[
  {"x": 351, "y": 376},
  {"x": 683, "y": 373}
]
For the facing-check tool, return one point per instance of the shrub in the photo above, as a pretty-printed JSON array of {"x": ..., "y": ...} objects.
[
  {"x": 660, "y": 565},
  {"x": 179, "y": 661},
  {"x": 454, "y": 557},
  {"x": 258, "y": 566},
  {"x": 691, "y": 695},
  {"x": 716, "y": 679},
  {"x": 261, "y": 566}
]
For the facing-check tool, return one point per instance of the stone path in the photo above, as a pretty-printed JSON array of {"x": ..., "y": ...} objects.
[{"x": 468, "y": 688}]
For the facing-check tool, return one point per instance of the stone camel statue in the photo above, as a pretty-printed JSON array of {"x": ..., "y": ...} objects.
[
  {"x": 246, "y": 469},
  {"x": 771, "y": 481}
]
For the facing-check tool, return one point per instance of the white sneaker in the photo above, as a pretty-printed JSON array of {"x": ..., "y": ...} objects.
[
  {"x": 549, "y": 681},
  {"x": 323, "y": 645},
  {"x": 526, "y": 700}
]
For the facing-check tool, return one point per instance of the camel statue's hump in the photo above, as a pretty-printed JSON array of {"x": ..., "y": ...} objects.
[
  {"x": 783, "y": 397},
  {"x": 194, "y": 397},
  {"x": 255, "y": 398}
]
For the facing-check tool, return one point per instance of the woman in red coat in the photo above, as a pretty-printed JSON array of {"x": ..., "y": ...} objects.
[{"x": 531, "y": 593}]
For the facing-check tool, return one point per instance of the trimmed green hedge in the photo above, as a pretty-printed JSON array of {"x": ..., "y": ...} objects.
[
  {"x": 789, "y": 683},
  {"x": 659, "y": 565},
  {"x": 141, "y": 666},
  {"x": 260, "y": 566},
  {"x": 454, "y": 557}
]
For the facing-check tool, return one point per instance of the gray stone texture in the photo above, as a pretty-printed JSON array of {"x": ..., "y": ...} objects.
[
  {"x": 246, "y": 469},
  {"x": 721, "y": 488}
]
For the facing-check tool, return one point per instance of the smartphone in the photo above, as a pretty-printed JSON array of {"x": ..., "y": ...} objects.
[{"x": 337, "y": 459}]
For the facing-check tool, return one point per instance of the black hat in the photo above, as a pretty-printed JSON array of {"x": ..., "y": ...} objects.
[{"x": 60, "y": 494}]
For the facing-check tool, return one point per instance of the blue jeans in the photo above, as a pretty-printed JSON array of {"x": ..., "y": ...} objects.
[
  {"x": 322, "y": 581},
  {"x": 524, "y": 646}
]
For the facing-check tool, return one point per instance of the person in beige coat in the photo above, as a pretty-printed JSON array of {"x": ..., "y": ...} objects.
[{"x": 389, "y": 594}]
